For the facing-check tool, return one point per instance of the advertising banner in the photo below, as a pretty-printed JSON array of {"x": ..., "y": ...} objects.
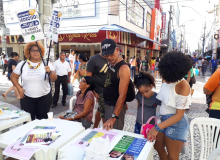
[
  {"x": 30, "y": 25},
  {"x": 163, "y": 22},
  {"x": 54, "y": 26}
]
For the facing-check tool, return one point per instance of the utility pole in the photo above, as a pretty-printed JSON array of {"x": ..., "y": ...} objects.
[
  {"x": 168, "y": 36},
  {"x": 3, "y": 28},
  {"x": 203, "y": 44},
  {"x": 181, "y": 42}
]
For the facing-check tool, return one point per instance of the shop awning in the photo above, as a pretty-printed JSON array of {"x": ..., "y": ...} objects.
[
  {"x": 143, "y": 37},
  {"x": 115, "y": 27}
]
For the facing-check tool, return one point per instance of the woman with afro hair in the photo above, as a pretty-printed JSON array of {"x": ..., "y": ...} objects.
[
  {"x": 35, "y": 91},
  {"x": 175, "y": 98}
]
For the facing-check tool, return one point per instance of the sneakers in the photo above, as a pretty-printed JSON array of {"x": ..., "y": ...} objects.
[{"x": 54, "y": 106}]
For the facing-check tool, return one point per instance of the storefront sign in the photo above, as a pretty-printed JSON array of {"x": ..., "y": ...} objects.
[
  {"x": 156, "y": 27},
  {"x": 115, "y": 35},
  {"x": 54, "y": 25},
  {"x": 76, "y": 8},
  {"x": 125, "y": 38},
  {"x": 163, "y": 22},
  {"x": 30, "y": 25},
  {"x": 135, "y": 13},
  {"x": 83, "y": 37}
]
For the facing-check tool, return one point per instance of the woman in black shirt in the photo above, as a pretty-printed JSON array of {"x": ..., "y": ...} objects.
[{"x": 12, "y": 63}]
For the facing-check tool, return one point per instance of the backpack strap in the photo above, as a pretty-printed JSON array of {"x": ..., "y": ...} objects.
[
  {"x": 142, "y": 110},
  {"x": 22, "y": 69}
]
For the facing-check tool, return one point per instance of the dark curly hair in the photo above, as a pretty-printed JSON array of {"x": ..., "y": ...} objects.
[
  {"x": 174, "y": 66},
  {"x": 144, "y": 79}
]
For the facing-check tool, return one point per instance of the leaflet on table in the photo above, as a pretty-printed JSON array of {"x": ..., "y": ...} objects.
[
  {"x": 21, "y": 153},
  {"x": 95, "y": 133},
  {"x": 128, "y": 147},
  {"x": 38, "y": 137}
]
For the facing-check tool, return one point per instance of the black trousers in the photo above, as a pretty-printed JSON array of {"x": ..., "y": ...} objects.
[
  {"x": 64, "y": 81},
  {"x": 37, "y": 107},
  {"x": 5, "y": 68}
]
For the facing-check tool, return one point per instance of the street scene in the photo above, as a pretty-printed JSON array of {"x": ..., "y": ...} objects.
[{"x": 104, "y": 80}]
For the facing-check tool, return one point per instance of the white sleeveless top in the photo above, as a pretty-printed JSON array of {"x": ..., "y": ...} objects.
[{"x": 170, "y": 100}]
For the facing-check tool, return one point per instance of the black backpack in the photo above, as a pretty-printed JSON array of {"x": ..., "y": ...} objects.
[{"x": 131, "y": 92}]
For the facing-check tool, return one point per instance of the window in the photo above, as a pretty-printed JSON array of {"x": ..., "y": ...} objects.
[{"x": 148, "y": 22}]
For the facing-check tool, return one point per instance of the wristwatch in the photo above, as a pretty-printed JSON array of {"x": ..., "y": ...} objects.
[
  {"x": 114, "y": 116},
  {"x": 50, "y": 73},
  {"x": 157, "y": 128}
]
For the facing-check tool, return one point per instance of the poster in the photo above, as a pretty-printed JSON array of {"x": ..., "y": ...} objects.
[
  {"x": 128, "y": 148},
  {"x": 30, "y": 25},
  {"x": 54, "y": 25},
  {"x": 95, "y": 133}
]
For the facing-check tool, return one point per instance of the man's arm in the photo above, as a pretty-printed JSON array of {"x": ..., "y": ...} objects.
[
  {"x": 88, "y": 73},
  {"x": 124, "y": 76}
]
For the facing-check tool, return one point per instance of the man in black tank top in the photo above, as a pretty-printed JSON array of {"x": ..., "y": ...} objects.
[{"x": 115, "y": 87}]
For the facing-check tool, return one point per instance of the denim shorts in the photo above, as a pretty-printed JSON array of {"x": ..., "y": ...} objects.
[
  {"x": 156, "y": 69},
  {"x": 178, "y": 131}
]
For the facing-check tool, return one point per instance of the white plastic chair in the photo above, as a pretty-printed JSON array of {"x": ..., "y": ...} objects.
[
  {"x": 209, "y": 129},
  {"x": 215, "y": 155}
]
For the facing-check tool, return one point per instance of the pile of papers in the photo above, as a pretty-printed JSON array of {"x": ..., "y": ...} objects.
[{"x": 35, "y": 139}]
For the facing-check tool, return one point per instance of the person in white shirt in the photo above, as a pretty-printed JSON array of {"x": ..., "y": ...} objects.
[
  {"x": 72, "y": 60},
  {"x": 35, "y": 91},
  {"x": 63, "y": 71}
]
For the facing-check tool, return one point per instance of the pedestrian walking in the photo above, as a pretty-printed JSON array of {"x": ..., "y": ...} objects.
[
  {"x": 200, "y": 64},
  {"x": 145, "y": 82},
  {"x": 175, "y": 98},
  {"x": 5, "y": 59},
  {"x": 156, "y": 73},
  {"x": 63, "y": 72},
  {"x": 82, "y": 66},
  {"x": 12, "y": 63},
  {"x": 214, "y": 63},
  {"x": 190, "y": 75},
  {"x": 116, "y": 86},
  {"x": 76, "y": 66},
  {"x": 72, "y": 59},
  {"x": 97, "y": 68},
  {"x": 195, "y": 61},
  {"x": 145, "y": 65},
  {"x": 84, "y": 103},
  {"x": 212, "y": 90},
  {"x": 67, "y": 58},
  {"x": 152, "y": 64},
  {"x": 139, "y": 61},
  {"x": 133, "y": 64},
  {"x": 35, "y": 91},
  {"x": 205, "y": 64},
  {"x": 2, "y": 61}
]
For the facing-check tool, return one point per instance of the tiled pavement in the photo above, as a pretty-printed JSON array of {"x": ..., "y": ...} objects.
[{"x": 197, "y": 109}]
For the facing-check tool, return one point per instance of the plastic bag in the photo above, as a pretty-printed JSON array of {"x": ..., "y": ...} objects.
[
  {"x": 70, "y": 89},
  {"x": 98, "y": 149}
]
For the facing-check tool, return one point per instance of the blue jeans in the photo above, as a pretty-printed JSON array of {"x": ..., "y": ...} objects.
[
  {"x": 137, "y": 128},
  {"x": 133, "y": 68},
  {"x": 178, "y": 131},
  {"x": 214, "y": 69}
]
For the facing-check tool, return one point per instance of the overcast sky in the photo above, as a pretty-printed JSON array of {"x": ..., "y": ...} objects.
[{"x": 194, "y": 28}]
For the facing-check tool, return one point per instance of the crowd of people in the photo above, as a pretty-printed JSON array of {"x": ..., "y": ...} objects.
[{"x": 110, "y": 80}]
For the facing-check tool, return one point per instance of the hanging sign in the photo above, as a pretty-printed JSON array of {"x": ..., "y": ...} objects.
[
  {"x": 30, "y": 25},
  {"x": 54, "y": 26}
]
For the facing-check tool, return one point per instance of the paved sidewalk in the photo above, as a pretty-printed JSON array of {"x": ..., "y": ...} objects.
[{"x": 197, "y": 109}]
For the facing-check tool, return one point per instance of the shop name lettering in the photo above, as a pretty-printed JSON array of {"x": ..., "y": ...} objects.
[{"x": 87, "y": 36}]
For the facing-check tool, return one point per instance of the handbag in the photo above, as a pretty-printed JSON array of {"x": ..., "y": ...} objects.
[
  {"x": 152, "y": 67},
  {"x": 193, "y": 79},
  {"x": 145, "y": 128},
  {"x": 70, "y": 89}
]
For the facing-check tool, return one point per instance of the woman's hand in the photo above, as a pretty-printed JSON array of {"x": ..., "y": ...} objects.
[
  {"x": 47, "y": 69},
  {"x": 151, "y": 136},
  {"x": 21, "y": 91}
]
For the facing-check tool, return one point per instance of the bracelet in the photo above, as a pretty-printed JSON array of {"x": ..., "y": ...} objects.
[{"x": 157, "y": 128}]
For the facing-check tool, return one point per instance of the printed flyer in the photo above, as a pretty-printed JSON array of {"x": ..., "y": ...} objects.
[
  {"x": 128, "y": 148},
  {"x": 95, "y": 133}
]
